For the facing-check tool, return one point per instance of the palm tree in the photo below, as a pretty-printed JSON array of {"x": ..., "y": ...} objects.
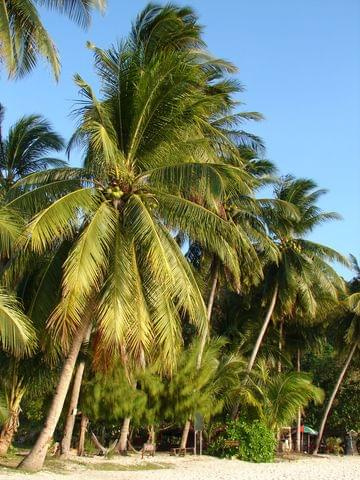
[
  {"x": 277, "y": 396},
  {"x": 302, "y": 335},
  {"x": 302, "y": 269},
  {"x": 147, "y": 152},
  {"x": 26, "y": 148},
  {"x": 351, "y": 321},
  {"x": 244, "y": 268},
  {"x": 37, "y": 282},
  {"x": 16, "y": 330},
  {"x": 17, "y": 335},
  {"x": 23, "y": 38},
  {"x": 170, "y": 29}
]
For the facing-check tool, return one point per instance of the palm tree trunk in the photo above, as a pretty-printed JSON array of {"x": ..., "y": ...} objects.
[
  {"x": 35, "y": 459},
  {"x": 11, "y": 424},
  {"x": 214, "y": 283},
  {"x": 298, "y": 426},
  {"x": 263, "y": 330},
  {"x": 281, "y": 329},
  {"x": 258, "y": 343},
  {"x": 185, "y": 434},
  {"x": 83, "y": 429},
  {"x": 124, "y": 434},
  {"x": 70, "y": 419},
  {"x": 332, "y": 397}
]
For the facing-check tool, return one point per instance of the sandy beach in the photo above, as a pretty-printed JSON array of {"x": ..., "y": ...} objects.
[{"x": 199, "y": 468}]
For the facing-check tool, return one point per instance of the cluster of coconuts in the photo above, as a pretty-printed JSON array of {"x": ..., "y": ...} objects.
[
  {"x": 113, "y": 191},
  {"x": 291, "y": 244},
  {"x": 231, "y": 209}
]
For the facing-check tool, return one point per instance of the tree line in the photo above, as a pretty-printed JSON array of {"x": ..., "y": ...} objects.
[{"x": 155, "y": 281}]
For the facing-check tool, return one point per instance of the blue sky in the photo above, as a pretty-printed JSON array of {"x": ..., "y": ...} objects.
[{"x": 299, "y": 62}]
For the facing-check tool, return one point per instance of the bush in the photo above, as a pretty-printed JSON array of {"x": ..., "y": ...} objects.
[
  {"x": 256, "y": 442},
  {"x": 334, "y": 445}
]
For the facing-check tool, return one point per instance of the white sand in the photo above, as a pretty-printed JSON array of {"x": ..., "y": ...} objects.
[{"x": 208, "y": 468}]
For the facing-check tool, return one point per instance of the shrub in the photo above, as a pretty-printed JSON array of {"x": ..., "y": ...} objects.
[
  {"x": 256, "y": 442},
  {"x": 333, "y": 445}
]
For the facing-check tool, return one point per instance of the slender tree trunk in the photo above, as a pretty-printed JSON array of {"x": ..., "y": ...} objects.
[
  {"x": 71, "y": 416},
  {"x": 83, "y": 429},
  {"x": 263, "y": 330},
  {"x": 124, "y": 434},
  {"x": 332, "y": 397},
  {"x": 35, "y": 459},
  {"x": 298, "y": 426},
  {"x": 204, "y": 337},
  {"x": 11, "y": 424},
  {"x": 258, "y": 343},
  {"x": 209, "y": 308},
  {"x": 281, "y": 330},
  {"x": 185, "y": 434}
]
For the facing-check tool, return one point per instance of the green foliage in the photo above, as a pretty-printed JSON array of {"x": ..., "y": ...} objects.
[
  {"x": 344, "y": 414},
  {"x": 257, "y": 442},
  {"x": 333, "y": 445},
  {"x": 24, "y": 38},
  {"x": 206, "y": 389},
  {"x": 166, "y": 164},
  {"x": 110, "y": 396},
  {"x": 275, "y": 397},
  {"x": 3, "y": 408}
]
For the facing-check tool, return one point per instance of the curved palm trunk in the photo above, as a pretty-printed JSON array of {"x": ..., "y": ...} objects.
[
  {"x": 35, "y": 459},
  {"x": 83, "y": 429},
  {"x": 263, "y": 330},
  {"x": 332, "y": 397},
  {"x": 214, "y": 283},
  {"x": 298, "y": 425},
  {"x": 124, "y": 435},
  {"x": 71, "y": 416}
]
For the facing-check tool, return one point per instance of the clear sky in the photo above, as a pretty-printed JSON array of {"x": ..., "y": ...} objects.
[{"x": 299, "y": 61}]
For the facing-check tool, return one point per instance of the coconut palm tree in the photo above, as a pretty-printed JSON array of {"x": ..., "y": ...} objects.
[
  {"x": 350, "y": 323},
  {"x": 37, "y": 283},
  {"x": 16, "y": 331},
  {"x": 26, "y": 149},
  {"x": 170, "y": 29},
  {"x": 17, "y": 335},
  {"x": 23, "y": 151},
  {"x": 245, "y": 268},
  {"x": 241, "y": 211},
  {"x": 23, "y": 38},
  {"x": 147, "y": 153},
  {"x": 302, "y": 268}
]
